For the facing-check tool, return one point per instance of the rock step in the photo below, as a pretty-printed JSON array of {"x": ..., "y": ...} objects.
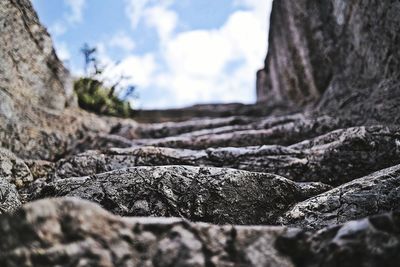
[
  {"x": 216, "y": 195},
  {"x": 333, "y": 158},
  {"x": 83, "y": 234},
  {"x": 220, "y": 195},
  {"x": 284, "y": 133}
]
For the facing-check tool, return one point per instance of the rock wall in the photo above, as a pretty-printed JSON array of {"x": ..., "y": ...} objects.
[
  {"x": 30, "y": 71},
  {"x": 334, "y": 54}
]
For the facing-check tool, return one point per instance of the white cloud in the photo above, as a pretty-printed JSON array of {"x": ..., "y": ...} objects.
[
  {"x": 199, "y": 63},
  {"x": 134, "y": 10},
  {"x": 217, "y": 65},
  {"x": 163, "y": 20},
  {"x": 123, "y": 41},
  {"x": 76, "y": 10},
  {"x": 58, "y": 29},
  {"x": 63, "y": 52}
]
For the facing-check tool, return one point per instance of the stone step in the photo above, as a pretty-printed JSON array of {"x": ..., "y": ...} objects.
[
  {"x": 72, "y": 232},
  {"x": 333, "y": 158},
  {"x": 216, "y": 195}
]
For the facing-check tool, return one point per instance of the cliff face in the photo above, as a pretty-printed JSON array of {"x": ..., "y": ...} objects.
[
  {"x": 335, "y": 54},
  {"x": 29, "y": 68}
]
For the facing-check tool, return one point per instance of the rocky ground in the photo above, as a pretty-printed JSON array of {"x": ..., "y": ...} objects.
[{"x": 232, "y": 185}]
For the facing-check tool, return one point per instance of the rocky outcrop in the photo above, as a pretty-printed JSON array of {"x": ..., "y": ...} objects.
[
  {"x": 70, "y": 232},
  {"x": 373, "y": 194},
  {"x": 200, "y": 194},
  {"x": 341, "y": 54},
  {"x": 29, "y": 68}
]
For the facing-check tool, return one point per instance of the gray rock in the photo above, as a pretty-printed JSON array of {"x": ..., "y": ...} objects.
[
  {"x": 71, "y": 232},
  {"x": 9, "y": 198},
  {"x": 374, "y": 194},
  {"x": 13, "y": 169},
  {"x": 29, "y": 69},
  {"x": 334, "y": 158},
  {"x": 206, "y": 194},
  {"x": 373, "y": 241},
  {"x": 340, "y": 55},
  {"x": 281, "y": 134}
]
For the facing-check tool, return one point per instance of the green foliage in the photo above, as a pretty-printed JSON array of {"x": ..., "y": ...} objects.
[{"x": 95, "y": 97}]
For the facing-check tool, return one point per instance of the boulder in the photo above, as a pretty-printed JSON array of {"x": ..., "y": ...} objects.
[
  {"x": 216, "y": 195},
  {"x": 376, "y": 193}
]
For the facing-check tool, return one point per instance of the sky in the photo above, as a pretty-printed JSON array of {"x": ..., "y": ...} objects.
[{"x": 176, "y": 52}]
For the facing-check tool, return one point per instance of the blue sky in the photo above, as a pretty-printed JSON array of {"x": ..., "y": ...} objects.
[{"x": 176, "y": 52}]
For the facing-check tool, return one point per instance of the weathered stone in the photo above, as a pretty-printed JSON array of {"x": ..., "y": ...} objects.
[
  {"x": 9, "y": 197},
  {"x": 341, "y": 55},
  {"x": 13, "y": 169},
  {"x": 283, "y": 134},
  {"x": 71, "y": 232},
  {"x": 159, "y": 130},
  {"x": 334, "y": 158},
  {"x": 39, "y": 168},
  {"x": 200, "y": 194},
  {"x": 373, "y": 194},
  {"x": 29, "y": 68},
  {"x": 374, "y": 241}
]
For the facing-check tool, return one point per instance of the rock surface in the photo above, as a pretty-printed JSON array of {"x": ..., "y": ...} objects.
[
  {"x": 71, "y": 232},
  {"x": 10, "y": 200},
  {"x": 28, "y": 60},
  {"x": 341, "y": 55},
  {"x": 374, "y": 194},
  {"x": 323, "y": 149},
  {"x": 205, "y": 194}
]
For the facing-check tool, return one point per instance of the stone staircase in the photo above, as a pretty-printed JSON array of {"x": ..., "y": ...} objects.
[
  {"x": 289, "y": 176},
  {"x": 308, "y": 178}
]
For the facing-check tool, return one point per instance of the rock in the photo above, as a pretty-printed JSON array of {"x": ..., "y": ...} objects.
[
  {"x": 210, "y": 111},
  {"x": 13, "y": 169},
  {"x": 283, "y": 134},
  {"x": 39, "y": 168},
  {"x": 373, "y": 241},
  {"x": 206, "y": 194},
  {"x": 29, "y": 69},
  {"x": 340, "y": 55},
  {"x": 71, "y": 232},
  {"x": 334, "y": 158},
  {"x": 160, "y": 130},
  {"x": 9, "y": 198},
  {"x": 374, "y": 194}
]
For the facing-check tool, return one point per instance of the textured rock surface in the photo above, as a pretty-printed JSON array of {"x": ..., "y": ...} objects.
[
  {"x": 373, "y": 194},
  {"x": 13, "y": 169},
  {"x": 9, "y": 198},
  {"x": 374, "y": 241},
  {"x": 344, "y": 53},
  {"x": 283, "y": 134},
  {"x": 308, "y": 158},
  {"x": 82, "y": 234},
  {"x": 334, "y": 158},
  {"x": 28, "y": 60},
  {"x": 200, "y": 194}
]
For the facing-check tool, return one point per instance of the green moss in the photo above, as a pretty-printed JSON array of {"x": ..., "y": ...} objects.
[{"x": 95, "y": 97}]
